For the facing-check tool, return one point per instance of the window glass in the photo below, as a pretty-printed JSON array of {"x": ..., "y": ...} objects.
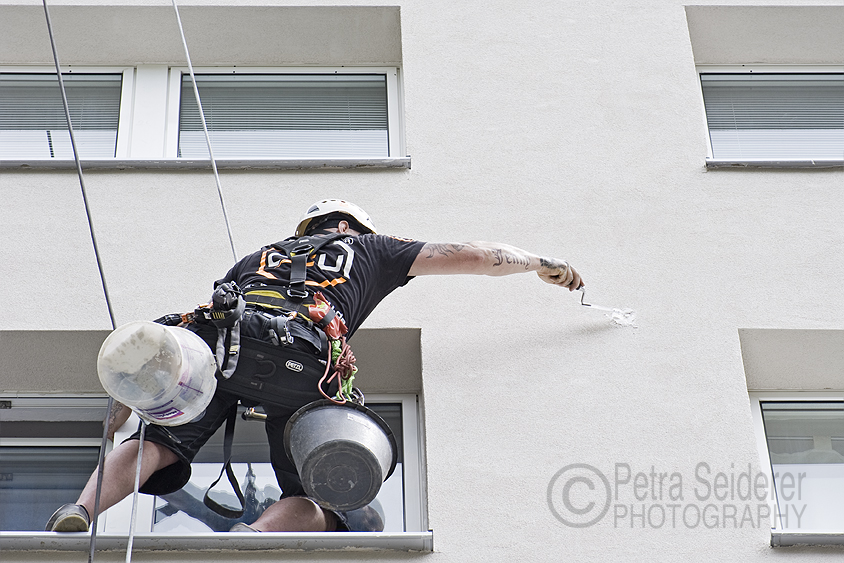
[
  {"x": 806, "y": 448},
  {"x": 775, "y": 116},
  {"x": 49, "y": 446},
  {"x": 285, "y": 116},
  {"x": 184, "y": 511},
  {"x": 32, "y": 117},
  {"x": 34, "y": 481}
]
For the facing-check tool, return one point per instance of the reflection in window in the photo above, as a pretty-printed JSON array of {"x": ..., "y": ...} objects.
[
  {"x": 806, "y": 448},
  {"x": 184, "y": 511}
]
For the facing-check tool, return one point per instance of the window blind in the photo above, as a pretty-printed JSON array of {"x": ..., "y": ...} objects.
[
  {"x": 286, "y": 116},
  {"x": 775, "y": 116},
  {"x": 32, "y": 118}
]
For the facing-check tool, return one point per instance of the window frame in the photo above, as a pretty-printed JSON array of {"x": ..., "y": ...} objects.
[
  {"x": 150, "y": 140},
  {"x": 127, "y": 95},
  {"x": 113, "y": 535},
  {"x": 739, "y": 69},
  {"x": 55, "y": 409},
  {"x": 779, "y": 536},
  {"x": 395, "y": 124}
]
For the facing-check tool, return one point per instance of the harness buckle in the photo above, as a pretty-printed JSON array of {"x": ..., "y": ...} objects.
[
  {"x": 279, "y": 331},
  {"x": 301, "y": 249},
  {"x": 295, "y": 293}
]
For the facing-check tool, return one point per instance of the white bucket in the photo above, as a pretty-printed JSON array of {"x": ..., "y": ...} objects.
[{"x": 165, "y": 374}]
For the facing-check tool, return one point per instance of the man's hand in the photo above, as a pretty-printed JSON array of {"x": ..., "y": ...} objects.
[{"x": 559, "y": 272}]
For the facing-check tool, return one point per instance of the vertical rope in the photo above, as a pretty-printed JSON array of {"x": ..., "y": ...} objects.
[
  {"x": 78, "y": 164},
  {"x": 205, "y": 130},
  {"x": 92, "y": 545},
  {"x": 134, "y": 519},
  {"x": 101, "y": 460}
]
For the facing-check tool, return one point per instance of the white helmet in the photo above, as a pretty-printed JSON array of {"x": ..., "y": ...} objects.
[{"x": 329, "y": 206}]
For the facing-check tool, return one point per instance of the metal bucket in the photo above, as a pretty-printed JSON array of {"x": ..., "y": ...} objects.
[{"x": 343, "y": 453}]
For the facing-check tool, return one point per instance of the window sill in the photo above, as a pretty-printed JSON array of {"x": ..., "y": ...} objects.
[
  {"x": 712, "y": 163},
  {"x": 189, "y": 164},
  {"x": 237, "y": 541},
  {"x": 786, "y": 539}
]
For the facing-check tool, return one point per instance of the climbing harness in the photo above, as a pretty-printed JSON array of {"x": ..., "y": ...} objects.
[
  {"x": 276, "y": 316},
  {"x": 276, "y": 345}
]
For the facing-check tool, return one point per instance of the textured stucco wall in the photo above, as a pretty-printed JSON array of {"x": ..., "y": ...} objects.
[{"x": 571, "y": 129}]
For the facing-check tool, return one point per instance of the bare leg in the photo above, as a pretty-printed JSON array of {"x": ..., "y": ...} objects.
[
  {"x": 119, "y": 473},
  {"x": 296, "y": 514}
]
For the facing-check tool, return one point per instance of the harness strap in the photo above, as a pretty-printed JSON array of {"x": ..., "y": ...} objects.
[
  {"x": 228, "y": 439},
  {"x": 228, "y": 349},
  {"x": 298, "y": 250},
  {"x": 298, "y": 274},
  {"x": 267, "y": 298},
  {"x": 273, "y": 299}
]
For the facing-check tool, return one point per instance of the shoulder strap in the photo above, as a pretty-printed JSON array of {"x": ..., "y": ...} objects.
[
  {"x": 316, "y": 242},
  {"x": 298, "y": 250}
]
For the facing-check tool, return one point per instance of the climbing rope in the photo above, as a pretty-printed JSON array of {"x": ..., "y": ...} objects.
[
  {"x": 341, "y": 357},
  {"x": 101, "y": 460},
  {"x": 76, "y": 158},
  {"x": 135, "y": 493},
  {"x": 205, "y": 130}
]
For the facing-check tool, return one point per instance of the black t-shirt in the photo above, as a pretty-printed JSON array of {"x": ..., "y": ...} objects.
[{"x": 354, "y": 273}]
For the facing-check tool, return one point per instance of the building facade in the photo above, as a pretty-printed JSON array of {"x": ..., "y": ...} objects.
[{"x": 633, "y": 139}]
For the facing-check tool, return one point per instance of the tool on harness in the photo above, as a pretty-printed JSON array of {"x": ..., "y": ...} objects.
[
  {"x": 343, "y": 360},
  {"x": 280, "y": 331},
  {"x": 251, "y": 414},
  {"x": 224, "y": 312}
]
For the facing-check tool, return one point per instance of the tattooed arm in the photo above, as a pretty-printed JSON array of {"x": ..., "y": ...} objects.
[
  {"x": 491, "y": 259},
  {"x": 117, "y": 417}
]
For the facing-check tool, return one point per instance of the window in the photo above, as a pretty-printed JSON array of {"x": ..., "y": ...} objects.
[
  {"x": 801, "y": 440},
  {"x": 806, "y": 447},
  {"x": 48, "y": 449},
  {"x": 398, "y": 502},
  {"x": 149, "y": 114},
  {"x": 775, "y": 116},
  {"x": 33, "y": 122},
  {"x": 286, "y": 116}
]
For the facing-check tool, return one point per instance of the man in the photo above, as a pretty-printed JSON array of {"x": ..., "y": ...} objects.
[{"x": 354, "y": 273}]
